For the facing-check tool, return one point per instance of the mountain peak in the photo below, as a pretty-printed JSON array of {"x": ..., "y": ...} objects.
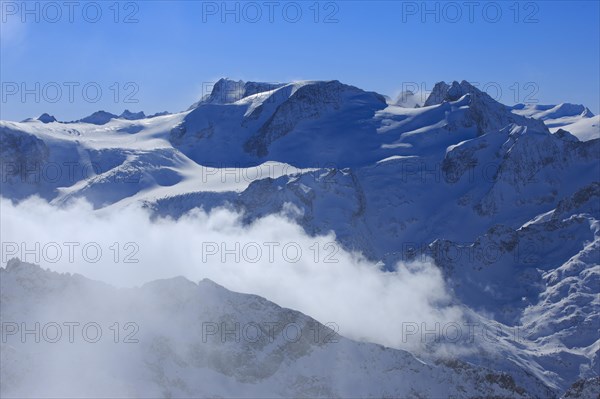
[
  {"x": 98, "y": 118},
  {"x": 545, "y": 112},
  {"x": 131, "y": 116},
  {"x": 46, "y": 118},
  {"x": 225, "y": 91},
  {"x": 407, "y": 99},
  {"x": 17, "y": 267},
  {"x": 484, "y": 111},
  {"x": 13, "y": 264},
  {"x": 228, "y": 91},
  {"x": 443, "y": 91}
]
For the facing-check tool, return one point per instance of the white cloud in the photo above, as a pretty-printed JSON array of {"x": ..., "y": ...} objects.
[{"x": 309, "y": 274}]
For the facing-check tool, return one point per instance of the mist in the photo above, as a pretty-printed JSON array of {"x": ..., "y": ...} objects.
[{"x": 272, "y": 257}]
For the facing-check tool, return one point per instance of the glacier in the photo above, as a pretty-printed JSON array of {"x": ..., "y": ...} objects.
[{"x": 504, "y": 199}]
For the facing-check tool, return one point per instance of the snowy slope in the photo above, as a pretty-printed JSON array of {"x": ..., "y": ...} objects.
[
  {"x": 180, "y": 344},
  {"x": 541, "y": 279},
  {"x": 574, "y": 118}
]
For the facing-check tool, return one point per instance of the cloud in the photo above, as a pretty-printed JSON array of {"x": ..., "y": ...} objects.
[{"x": 272, "y": 257}]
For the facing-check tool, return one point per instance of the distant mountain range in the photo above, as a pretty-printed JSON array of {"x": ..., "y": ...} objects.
[{"x": 392, "y": 180}]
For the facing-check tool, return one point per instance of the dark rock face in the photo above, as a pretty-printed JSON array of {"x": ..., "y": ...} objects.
[
  {"x": 45, "y": 118},
  {"x": 98, "y": 118},
  {"x": 486, "y": 113}
]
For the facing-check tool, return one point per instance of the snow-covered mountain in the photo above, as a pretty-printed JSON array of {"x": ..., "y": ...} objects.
[
  {"x": 574, "y": 118},
  {"x": 504, "y": 199},
  {"x": 176, "y": 338}
]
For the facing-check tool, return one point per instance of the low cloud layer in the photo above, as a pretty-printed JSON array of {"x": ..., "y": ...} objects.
[{"x": 272, "y": 257}]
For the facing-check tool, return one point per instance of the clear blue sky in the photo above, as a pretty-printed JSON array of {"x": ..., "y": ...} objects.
[{"x": 176, "y": 48}]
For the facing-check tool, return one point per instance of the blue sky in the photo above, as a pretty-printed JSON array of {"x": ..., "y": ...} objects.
[{"x": 169, "y": 52}]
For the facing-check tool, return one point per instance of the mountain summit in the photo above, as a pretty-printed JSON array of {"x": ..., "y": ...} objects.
[
  {"x": 488, "y": 114},
  {"x": 227, "y": 91}
]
